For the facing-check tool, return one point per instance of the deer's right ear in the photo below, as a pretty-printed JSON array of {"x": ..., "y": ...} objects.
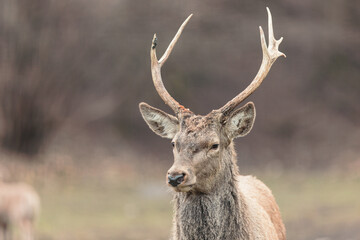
[
  {"x": 241, "y": 121},
  {"x": 163, "y": 124}
]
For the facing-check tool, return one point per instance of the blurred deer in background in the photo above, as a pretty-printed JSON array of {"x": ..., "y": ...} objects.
[
  {"x": 19, "y": 207},
  {"x": 212, "y": 200}
]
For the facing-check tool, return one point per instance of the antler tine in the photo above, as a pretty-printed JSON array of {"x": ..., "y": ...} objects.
[
  {"x": 270, "y": 54},
  {"x": 273, "y": 43},
  {"x": 156, "y": 70}
]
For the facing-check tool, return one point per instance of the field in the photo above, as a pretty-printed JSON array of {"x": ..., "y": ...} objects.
[{"x": 314, "y": 205}]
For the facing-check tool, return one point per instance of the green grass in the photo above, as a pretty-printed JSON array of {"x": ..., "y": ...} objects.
[
  {"x": 102, "y": 209},
  {"x": 319, "y": 205},
  {"x": 312, "y": 205}
]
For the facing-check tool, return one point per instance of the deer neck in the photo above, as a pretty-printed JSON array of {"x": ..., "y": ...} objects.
[{"x": 219, "y": 214}]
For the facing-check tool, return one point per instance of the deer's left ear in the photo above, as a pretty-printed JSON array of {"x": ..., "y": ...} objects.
[{"x": 241, "y": 121}]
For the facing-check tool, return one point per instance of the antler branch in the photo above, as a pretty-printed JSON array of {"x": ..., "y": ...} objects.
[
  {"x": 156, "y": 69},
  {"x": 270, "y": 54}
]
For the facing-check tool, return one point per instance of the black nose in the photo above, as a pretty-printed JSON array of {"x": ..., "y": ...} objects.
[{"x": 175, "y": 180}]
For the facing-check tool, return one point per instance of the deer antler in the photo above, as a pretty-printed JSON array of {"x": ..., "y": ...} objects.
[
  {"x": 156, "y": 70},
  {"x": 270, "y": 54}
]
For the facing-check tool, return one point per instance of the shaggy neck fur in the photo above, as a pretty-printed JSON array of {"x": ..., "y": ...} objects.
[{"x": 217, "y": 215}]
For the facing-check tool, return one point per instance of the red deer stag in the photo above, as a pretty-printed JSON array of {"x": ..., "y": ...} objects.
[{"x": 212, "y": 200}]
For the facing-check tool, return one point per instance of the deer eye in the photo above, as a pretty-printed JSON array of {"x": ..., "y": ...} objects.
[
  {"x": 173, "y": 144},
  {"x": 215, "y": 146}
]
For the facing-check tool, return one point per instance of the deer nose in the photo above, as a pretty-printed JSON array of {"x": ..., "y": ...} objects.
[{"x": 176, "y": 180}]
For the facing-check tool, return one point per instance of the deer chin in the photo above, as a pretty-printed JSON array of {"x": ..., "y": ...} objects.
[{"x": 184, "y": 188}]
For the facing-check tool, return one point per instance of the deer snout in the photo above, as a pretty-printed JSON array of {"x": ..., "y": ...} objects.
[{"x": 175, "y": 179}]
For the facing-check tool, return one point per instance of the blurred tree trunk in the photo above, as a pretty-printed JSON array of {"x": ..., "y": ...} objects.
[{"x": 33, "y": 97}]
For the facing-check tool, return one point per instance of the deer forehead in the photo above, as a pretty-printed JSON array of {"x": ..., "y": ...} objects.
[{"x": 197, "y": 129}]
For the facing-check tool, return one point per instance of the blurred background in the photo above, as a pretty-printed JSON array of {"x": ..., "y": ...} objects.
[{"x": 73, "y": 72}]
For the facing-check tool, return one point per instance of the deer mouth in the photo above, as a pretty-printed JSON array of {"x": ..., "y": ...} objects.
[{"x": 184, "y": 188}]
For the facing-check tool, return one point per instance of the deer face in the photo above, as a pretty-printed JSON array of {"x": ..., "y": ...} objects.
[
  {"x": 199, "y": 143},
  {"x": 196, "y": 149}
]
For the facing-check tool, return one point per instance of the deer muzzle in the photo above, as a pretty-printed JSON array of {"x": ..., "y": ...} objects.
[{"x": 176, "y": 180}]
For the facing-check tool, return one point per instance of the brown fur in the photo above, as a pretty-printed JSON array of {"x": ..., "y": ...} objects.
[
  {"x": 214, "y": 201},
  {"x": 19, "y": 206},
  {"x": 258, "y": 191}
]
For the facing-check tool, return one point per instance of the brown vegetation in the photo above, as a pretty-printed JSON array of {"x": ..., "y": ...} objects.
[{"x": 82, "y": 63}]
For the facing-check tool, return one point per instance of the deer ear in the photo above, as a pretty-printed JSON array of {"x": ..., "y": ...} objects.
[
  {"x": 163, "y": 124},
  {"x": 241, "y": 121}
]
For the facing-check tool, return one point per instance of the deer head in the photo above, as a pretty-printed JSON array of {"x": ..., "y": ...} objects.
[{"x": 201, "y": 143}]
